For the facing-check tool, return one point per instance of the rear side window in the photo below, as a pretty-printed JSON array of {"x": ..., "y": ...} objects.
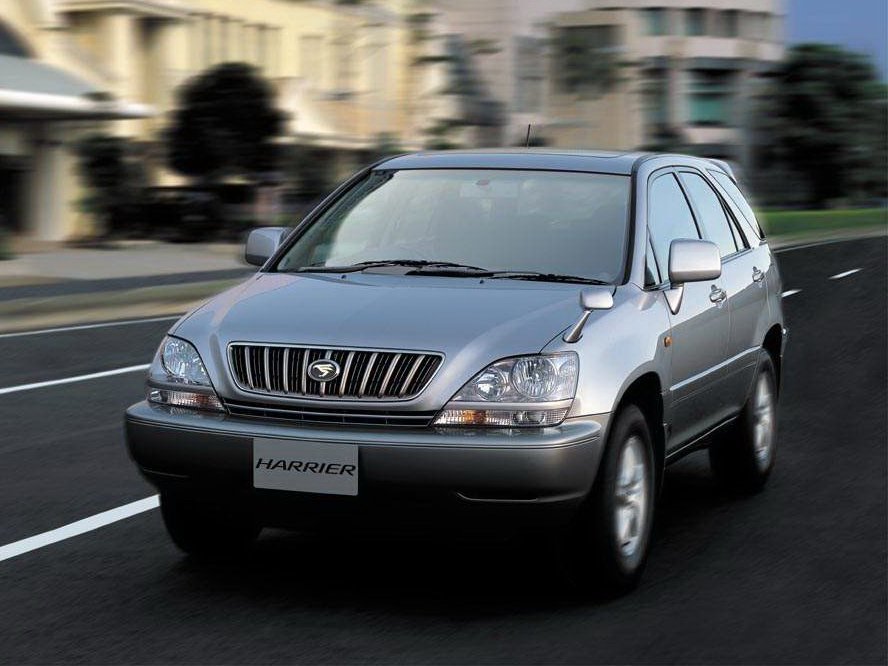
[
  {"x": 713, "y": 218},
  {"x": 747, "y": 215},
  {"x": 670, "y": 217}
]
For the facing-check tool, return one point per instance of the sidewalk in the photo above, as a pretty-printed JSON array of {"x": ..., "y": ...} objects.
[
  {"x": 52, "y": 263},
  {"x": 50, "y": 285}
]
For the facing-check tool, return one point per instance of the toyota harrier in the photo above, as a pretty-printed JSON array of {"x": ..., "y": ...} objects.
[{"x": 510, "y": 337}]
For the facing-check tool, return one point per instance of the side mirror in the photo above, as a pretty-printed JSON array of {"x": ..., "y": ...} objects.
[
  {"x": 591, "y": 298},
  {"x": 597, "y": 298},
  {"x": 693, "y": 261},
  {"x": 262, "y": 243}
]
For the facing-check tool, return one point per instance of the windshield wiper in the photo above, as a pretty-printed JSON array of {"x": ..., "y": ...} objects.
[
  {"x": 448, "y": 266},
  {"x": 544, "y": 277}
]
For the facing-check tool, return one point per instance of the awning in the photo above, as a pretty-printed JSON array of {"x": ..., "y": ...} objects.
[{"x": 37, "y": 91}]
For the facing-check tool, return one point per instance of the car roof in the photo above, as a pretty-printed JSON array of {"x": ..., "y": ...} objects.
[{"x": 518, "y": 158}]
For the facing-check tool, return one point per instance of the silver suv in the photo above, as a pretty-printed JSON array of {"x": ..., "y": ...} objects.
[{"x": 499, "y": 337}]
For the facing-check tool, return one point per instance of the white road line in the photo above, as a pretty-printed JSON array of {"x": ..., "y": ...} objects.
[
  {"x": 839, "y": 276},
  {"x": 83, "y": 327},
  {"x": 791, "y": 292},
  {"x": 79, "y": 527},
  {"x": 71, "y": 380}
]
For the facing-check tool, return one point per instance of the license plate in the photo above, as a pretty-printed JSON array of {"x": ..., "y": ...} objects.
[{"x": 308, "y": 467}]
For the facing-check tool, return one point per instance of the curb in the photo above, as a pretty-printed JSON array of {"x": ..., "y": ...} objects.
[{"x": 28, "y": 313}]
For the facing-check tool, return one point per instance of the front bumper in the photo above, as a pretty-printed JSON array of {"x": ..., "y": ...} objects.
[{"x": 495, "y": 472}]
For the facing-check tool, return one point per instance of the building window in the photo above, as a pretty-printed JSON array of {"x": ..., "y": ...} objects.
[
  {"x": 343, "y": 65},
  {"x": 655, "y": 21},
  {"x": 695, "y": 22},
  {"x": 586, "y": 60},
  {"x": 758, "y": 26},
  {"x": 767, "y": 28},
  {"x": 727, "y": 22},
  {"x": 377, "y": 62},
  {"x": 311, "y": 59},
  {"x": 710, "y": 98},
  {"x": 529, "y": 74},
  {"x": 655, "y": 93},
  {"x": 262, "y": 47}
]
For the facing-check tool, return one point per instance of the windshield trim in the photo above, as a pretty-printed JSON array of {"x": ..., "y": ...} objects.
[{"x": 378, "y": 167}]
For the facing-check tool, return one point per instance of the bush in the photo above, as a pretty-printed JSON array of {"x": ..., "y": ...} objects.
[
  {"x": 5, "y": 251},
  {"x": 779, "y": 222},
  {"x": 112, "y": 170}
]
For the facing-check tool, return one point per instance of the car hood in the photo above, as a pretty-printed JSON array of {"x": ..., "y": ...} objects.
[{"x": 472, "y": 322}]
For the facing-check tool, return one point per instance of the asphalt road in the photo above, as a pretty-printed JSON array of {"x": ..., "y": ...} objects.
[{"x": 796, "y": 574}]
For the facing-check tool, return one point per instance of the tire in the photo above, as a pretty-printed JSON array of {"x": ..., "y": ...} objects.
[
  {"x": 207, "y": 529},
  {"x": 743, "y": 456},
  {"x": 608, "y": 543}
]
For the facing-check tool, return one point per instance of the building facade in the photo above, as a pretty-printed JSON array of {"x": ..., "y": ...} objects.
[
  {"x": 48, "y": 97},
  {"x": 341, "y": 73},
  {"x": 668, "y": 74},
  {"x": 660, "y": 74},
  {"x": 505, "y": 43}
]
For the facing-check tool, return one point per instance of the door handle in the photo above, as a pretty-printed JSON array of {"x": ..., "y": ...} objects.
[
  {"x": 717, "y": 295},
  {"x": 757, "y": 274}
]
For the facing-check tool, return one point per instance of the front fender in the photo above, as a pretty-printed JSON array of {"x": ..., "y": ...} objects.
[{"x": 617, "y": 347}]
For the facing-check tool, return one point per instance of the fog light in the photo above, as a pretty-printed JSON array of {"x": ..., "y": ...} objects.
[
  {"x": 205, "y": 401},
  {"x": 501, "y": 418}
]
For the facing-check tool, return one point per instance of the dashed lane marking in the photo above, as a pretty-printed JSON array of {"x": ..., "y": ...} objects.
[
  {"x": 77, "y": 378},
  {"x": 78, "y": 527},
  {"x": 839, "y": 276}
]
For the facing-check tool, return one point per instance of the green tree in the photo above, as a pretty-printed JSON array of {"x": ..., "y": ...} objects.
[
  {"x": 824, "y": 118},
  {"x": 113, "y": 173},
  {"x": 225, "y": 125}
]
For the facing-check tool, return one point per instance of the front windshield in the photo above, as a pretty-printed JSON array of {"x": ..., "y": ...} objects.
[{"x": 498, "y": 220}]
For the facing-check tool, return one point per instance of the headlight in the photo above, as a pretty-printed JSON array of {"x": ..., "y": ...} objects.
[
  {"x": 182, "y": 363},
  {"x": 178, "y": 377},
  {"x": 521, "y": 391}
]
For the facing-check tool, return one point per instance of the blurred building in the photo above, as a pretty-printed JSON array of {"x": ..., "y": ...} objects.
[
  {"x": 341, "y": 70},
  {"x": 48, "y": 93},
  {"x": 660, "y": 74},
  {"x": 499, "y": 50},
  {"x": 353, "y": 75}
]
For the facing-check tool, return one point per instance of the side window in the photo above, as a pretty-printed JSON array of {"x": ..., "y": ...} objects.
[
  {"x": 670, "y": 217},
  {"x": 739, "y": 200},
  {"x": 714, "y": 220},
  {"x": 651, "y": 270}
]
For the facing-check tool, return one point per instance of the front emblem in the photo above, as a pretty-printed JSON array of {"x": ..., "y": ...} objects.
[{"x": 323, "y": 370}]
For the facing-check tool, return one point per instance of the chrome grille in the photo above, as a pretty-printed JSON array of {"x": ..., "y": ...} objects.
[
  {"x": 364, "y": 374},
  {"x": 330, "y": 416}
]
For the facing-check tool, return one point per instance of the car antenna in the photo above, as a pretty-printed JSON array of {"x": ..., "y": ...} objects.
[{"x": 527, "y": 138}]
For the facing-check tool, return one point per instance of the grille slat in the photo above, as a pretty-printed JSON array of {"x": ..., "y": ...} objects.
[
  {"x": 285, "y": 370},
  {"x": 346, "y": 369},
  {"x": 364, "y": 374}
]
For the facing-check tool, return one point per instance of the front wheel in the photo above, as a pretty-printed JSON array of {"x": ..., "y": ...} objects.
[
  {"x": 608, "y": 545},
  {"x": 743, "y": 456},
  {"x": 205, "y": 528}
]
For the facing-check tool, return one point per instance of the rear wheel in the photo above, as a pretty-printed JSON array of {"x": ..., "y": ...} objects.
[
  {"x": 743, "y": 456},
  {"x": 206, "y": 528},
  {"x": 608, "y": 545}
]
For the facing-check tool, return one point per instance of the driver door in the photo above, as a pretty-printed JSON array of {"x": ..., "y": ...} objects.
[{"x": 701, "y": 327}]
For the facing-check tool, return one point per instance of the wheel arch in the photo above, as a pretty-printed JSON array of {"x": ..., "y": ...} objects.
[
  {"x": 646, "y": 393},
  {"x": 773, "y": 344}
]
